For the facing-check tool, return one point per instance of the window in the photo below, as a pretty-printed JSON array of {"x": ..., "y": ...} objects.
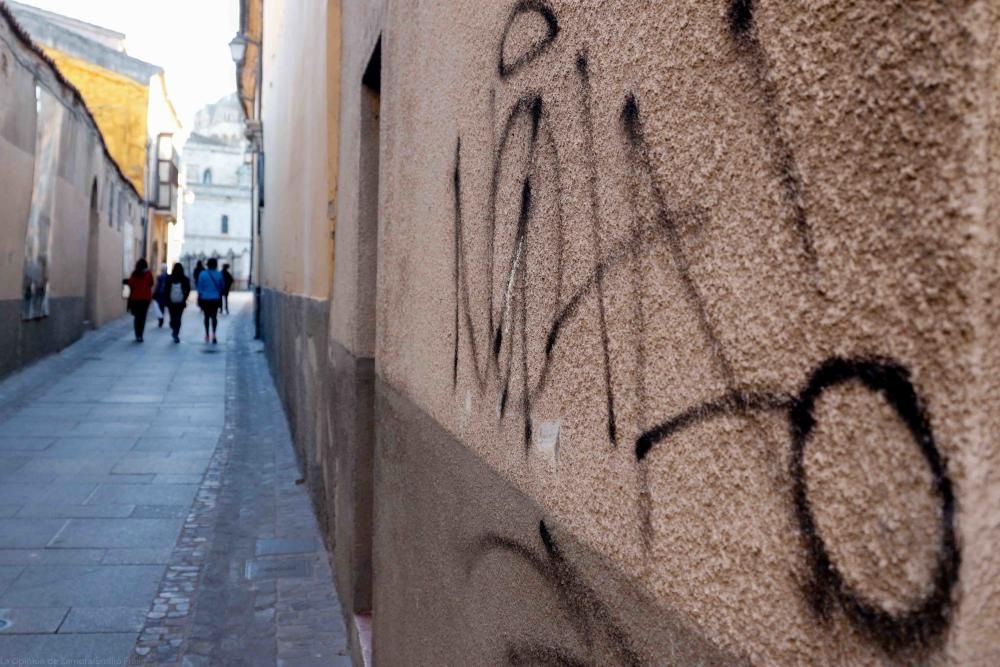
[
  {"x": 206, "y": 177},
  {"x": 225, "y": 224},
  {"x": 111, "y": 206}
]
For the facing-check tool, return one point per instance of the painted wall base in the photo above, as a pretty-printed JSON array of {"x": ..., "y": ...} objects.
[
  {"x": 456, "y": 565},
  {"x": 23, "y": 342}
]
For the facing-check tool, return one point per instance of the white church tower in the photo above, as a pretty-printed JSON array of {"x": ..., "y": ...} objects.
[{"x": 217, "y": 207}]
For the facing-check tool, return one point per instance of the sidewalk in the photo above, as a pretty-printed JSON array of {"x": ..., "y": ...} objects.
[{"x": 148, "y": 508}]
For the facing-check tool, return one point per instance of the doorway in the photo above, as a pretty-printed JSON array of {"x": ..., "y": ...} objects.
[
  {"x": 93, "y": 263},
  {"x": 368, "y": 243}
]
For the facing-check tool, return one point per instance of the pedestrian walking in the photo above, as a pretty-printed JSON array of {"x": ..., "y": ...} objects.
[
  {"x": 160, "y": 294},
  {"x": 198, "y": 268},
  {"x": 178, "y": 289},
  {"x": 227, "y": 284},
  {"x": 210, "y": 285},
  {"x": 140, "y": 287}
]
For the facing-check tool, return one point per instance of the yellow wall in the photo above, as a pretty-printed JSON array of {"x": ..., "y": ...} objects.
[
  {"x": 297, "y": 243},
  {"x": 119, "y": 105}
]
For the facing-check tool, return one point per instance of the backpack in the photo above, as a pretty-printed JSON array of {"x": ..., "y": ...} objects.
[{"x": 176, "y": 293}]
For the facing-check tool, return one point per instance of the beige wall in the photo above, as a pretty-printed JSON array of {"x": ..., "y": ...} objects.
[
  {"x": 82, "y": 162},
  {"x": 734, "y": 223},
  {"x": 297, "y": 244},
  {"x": 707, "y": 288},
  {"x": 350, "y": 310}
]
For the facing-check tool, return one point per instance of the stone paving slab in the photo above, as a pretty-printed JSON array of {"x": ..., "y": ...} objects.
[
  {"x": 285, "y": 545},
  {"x": 66, "y": 649},
  {"x": 76, "y": 411},
  {"x": 151, "y": 494},
  {"x": 34, "y": 494},
  {"x": 31, "y": 620},
  {"x": 66, "y": 478},
  {"x": 175, "y": 430},
  {"x": 28, "y": 533},
  {"x": 149, "y": 462},
  {"x": 87, "y": 585},
  {"x": 137, "y": 556},
  {"x": 123, "y": 413},
  {"x": 11, "y": 443},
  {"x": 177, "y": 479},
  {"x": 8, "y": 573},
  {"x": 117, "y": 532},
  {"x": 185, "y": 443},
  {"x": 51, "y": 556},
  {"x": 71, "y": 465},
  {"x": 96, "y": 511},
  {"x": 159, "y": 512},
  {"x": 85, "y": 446},
  {"x": 104, "y": 619}
]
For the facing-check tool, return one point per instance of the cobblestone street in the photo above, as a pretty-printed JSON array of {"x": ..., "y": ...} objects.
[{"x": 149, "y": 511}]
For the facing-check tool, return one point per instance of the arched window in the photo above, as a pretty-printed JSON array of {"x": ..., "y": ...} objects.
[
  {"x": 206, "y": 177},
  {"x": 225, "y": 224}
]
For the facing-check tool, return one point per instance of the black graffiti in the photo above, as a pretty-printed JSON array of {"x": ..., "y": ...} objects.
[
  {"x": 733, "y": 403},
  {"x": 457, "y": 189},
  {"x": 583, "y": 70},
  {"x": 926, "y": 620},
  {"x": 670, "y": 220},
  {"x": 662, "y": 225},
  {"x": 529, "y": 111},
  {"x": 529, "y": 108},
  {"x": 593, "y": 622},
  {"x": 543, "y": 10},
  {"x": 740, "y": 16},
  {"x": 749, "y": 47}
]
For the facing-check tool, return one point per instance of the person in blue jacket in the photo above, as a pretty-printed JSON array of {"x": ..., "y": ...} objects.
[{"x": 210, "y": 286}]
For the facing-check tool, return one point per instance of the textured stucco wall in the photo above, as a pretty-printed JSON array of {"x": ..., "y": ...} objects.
[
  {"x": 706, "y": 289},
  {"x": 741, "y": 254},
  {"x": 351, "y": 314}
]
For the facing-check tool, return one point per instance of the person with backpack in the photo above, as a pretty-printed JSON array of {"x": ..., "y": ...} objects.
[
  {"x": 140, "y": 290},
  {"x": 177, "y": 290},
  {"x": 227, "y": 284},
  {"x": 160, "y": 293},
  {"x": 210, "y": 286}
]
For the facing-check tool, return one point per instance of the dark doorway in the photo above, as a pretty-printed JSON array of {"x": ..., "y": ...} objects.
[
  {"x": 368, "y": 224},
  {"x": 93, "y": 263}
]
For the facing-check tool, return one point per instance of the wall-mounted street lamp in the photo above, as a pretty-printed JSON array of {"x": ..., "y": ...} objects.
[{"x": 238, "y": 48}]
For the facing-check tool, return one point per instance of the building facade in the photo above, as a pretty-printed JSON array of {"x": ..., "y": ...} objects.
[
  {"x": 71, "y": 219},
  {"x": 132, "y": 108},
  {"x": 217, "y": 183},
  {"x": 646, "y": 334}
]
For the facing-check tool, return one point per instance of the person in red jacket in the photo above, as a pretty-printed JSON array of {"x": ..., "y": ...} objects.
[{"x": 140, "y": 286}]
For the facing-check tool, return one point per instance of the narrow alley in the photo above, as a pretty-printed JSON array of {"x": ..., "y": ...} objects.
[{"x": 149, "y": 509}]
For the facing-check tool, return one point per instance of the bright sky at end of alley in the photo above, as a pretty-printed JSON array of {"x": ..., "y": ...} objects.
[{"x": 189, "y": 39}]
